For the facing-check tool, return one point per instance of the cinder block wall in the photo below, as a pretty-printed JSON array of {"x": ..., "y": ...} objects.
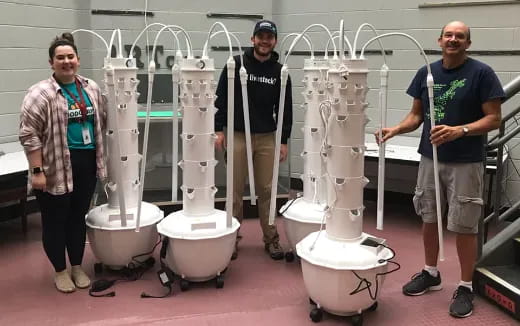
[
  {"x": 27, "y": 28},
  {"x": 29, "y": 25}
]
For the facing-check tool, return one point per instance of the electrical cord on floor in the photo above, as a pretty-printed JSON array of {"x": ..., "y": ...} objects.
[
  {"x": 165, "y": 274},
  {"x": 133, "y": 272},
  {"x": 367, "y": 283},
  {"x": 100, "y": 286}
]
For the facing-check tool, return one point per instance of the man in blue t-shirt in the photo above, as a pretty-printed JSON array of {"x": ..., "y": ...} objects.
[{"x": 467, "y": 104}]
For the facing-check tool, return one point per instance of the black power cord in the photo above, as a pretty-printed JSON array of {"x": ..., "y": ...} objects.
[
  {"x": 165, "y": 274},
  {"x": 133, "y": 272},
  {"x": 290, "y": 204},
  {"x": 365, "y": 284}
]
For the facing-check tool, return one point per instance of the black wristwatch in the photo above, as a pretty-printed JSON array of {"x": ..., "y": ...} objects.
[{"x": 36, "y": 170}]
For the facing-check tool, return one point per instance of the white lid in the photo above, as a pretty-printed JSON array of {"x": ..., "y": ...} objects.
[
  {"x": 178, "y": 225},
  {"x": 341, "y": 254},
  {"x": 303, "y": 211},
  {"x": 105, "y": 218}
]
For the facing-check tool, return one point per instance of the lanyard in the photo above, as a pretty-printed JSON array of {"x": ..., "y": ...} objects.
[{"x": 81, "y": 104}]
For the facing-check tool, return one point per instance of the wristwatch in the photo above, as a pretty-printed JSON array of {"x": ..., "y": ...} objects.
[
  {"x": 465, "y": 130},
  {"x": 36, "y": 170}
]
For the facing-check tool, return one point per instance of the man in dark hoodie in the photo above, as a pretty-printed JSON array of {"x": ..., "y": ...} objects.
[{"x": 263, "y": 88}]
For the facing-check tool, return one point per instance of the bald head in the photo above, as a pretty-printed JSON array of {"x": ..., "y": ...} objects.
[{"x": 458, "y": 24}]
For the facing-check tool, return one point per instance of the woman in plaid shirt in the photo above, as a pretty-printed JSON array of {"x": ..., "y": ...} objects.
[{"x": 61, "y": 129}]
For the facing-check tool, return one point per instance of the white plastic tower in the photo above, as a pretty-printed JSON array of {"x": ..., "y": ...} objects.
[
  {"x": 305, "y": 214},
  {"x": 201, "y": 238},
  {"x": 343, "y": 268},
  {"x": 111, "y": 227}
]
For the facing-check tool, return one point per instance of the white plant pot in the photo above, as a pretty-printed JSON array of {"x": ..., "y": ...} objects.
[
  {"x": 330, "y": 266},
  {"x": 196, "y": 99},
  {"x": 314, "y": 188},
  {"x": 346, "y": 130},
  {"x": 198, "y": 147},
  {"x": 126, "y": 112},
  {"x": 198, "y": 120},
  {"x": 199, "y": 248},
  {"x": 344, "y": 223},
  {"x": 198, "y": 174},
  {"x": 313, "y": 138},
  {"x": 198, "y": 201},
  {"x": 128, "y": 139},
  {"x": 313, "y": 163},
  {"x": 300, "y": 219},
  {"x": 345, "y": 161},
  {"x": 345, "y": 193},
  {"x": 115, "y": 245}
]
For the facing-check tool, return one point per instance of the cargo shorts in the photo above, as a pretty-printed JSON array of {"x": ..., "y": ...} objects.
[{"x": 461, "y": 190}]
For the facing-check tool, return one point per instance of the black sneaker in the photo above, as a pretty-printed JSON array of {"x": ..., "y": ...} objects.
[
  {"x": 421, "y": 283},
  {"x": 462, "y": 304},
  {"x": 274, "y": 250}
]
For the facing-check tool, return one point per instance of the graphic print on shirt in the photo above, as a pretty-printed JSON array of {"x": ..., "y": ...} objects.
[
  {"x": 75, "y": 113},
  {"x": 262, "y": 79},
  {"x": 442, "y": 100}
]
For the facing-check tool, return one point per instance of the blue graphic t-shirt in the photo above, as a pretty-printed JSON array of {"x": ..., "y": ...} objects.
[
  {"x": 75, "y": 127},
  {"x": 458, "y": 97}
]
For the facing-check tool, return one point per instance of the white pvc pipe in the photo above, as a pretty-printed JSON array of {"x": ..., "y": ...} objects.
[
  {"x": 230, "y": 140},
  {"x": 249, "y": 150},
  {"x": 429, "y": 84},
  {"x": 305, "y": 38},
  {"x": 297, "y": 39},
  {"x": 175, "y": 124},
  {"x": 245, "y": 107},
  {"x": 151, "y": 72},
  {"x": 284, "y": 73},
  {"x": 383, "y": 94},
  {"x": 383, "y": 52},
  {"x": 206, "y": 44},
  {"x": 186, "y": 38},
  {"x": 115, "y": 32},
  {"x": 334, "y": 36},
  {"x": 95, "y": 34},
  {"x": 119, "y": 178},
  {"x": 341, "y": 37}
]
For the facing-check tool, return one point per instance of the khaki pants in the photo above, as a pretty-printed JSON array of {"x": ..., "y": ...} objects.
[{"x": 263, "y": 156}]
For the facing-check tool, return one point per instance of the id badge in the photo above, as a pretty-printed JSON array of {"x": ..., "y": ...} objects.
[{"x": 86, "y": 135}]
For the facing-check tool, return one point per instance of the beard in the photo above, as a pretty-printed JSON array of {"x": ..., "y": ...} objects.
[{"x": 261, "y": 53}]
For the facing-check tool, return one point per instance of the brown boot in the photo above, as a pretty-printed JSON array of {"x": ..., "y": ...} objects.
[
  {"x": 235, "y": 251},
  {"x": 274, "y": 250}
]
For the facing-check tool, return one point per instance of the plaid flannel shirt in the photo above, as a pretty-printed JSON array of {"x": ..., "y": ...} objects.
[{"x": 43, "y": 125}]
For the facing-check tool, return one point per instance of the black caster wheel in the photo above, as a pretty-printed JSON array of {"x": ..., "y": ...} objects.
[
  {"x": 316, "y": 315},
  {"x": 219, "y": 281},
  {"x": 150, "y": 262},
  {"x": 185, "y": 285},
  {"x": 373, "y": 307},
  {"x": 98, "y": 268},
  {"x": 312, "y": 302},
  {"x": 289, "y": 256},
  {"x": 357, "y": 320}
]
